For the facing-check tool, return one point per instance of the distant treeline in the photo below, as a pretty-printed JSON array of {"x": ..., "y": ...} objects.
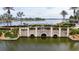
[{"x": 30, "y": 19}]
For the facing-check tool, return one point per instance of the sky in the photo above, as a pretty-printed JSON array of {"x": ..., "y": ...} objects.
[{"x": 43, "y": 12}]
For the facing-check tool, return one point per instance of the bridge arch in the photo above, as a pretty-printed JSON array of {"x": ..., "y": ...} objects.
[
  {"x": 32, "y": 35},
  {"x": 43, "y": 35},
  {"x": 55, "y": 35}
]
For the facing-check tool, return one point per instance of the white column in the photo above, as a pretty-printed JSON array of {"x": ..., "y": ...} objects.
[
  {"x": 36, "y": 33},
  {"x": 19, "y": 31},
  {"x": 67, "y": 31},
  {"x": 59, "y": 31},
  {"x": 28, "y": 32},
  {"x": 51, "y": 30}
]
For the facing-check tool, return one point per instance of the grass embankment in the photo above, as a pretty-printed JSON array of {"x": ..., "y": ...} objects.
[{"x": 9, "y": 33}]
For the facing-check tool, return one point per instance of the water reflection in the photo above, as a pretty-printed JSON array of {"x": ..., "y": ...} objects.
[
  {"x": 74, "y": 46},
  {"x": 11, "y": 46},
  {"x": 39, "y": 44}
]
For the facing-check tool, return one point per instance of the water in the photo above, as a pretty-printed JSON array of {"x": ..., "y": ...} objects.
[
  {"x": 38, "y": 44},
  {"x": 33, "y": 22}
]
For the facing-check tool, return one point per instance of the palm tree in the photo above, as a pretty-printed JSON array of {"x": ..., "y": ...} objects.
[
  {"x": 5, "y": 17},
  {"x": 74, "y": 10},
  {"x": 1, "y": 17},
  {"x": 20, "y": 15},
  {"x": 77, "y": 14},
  {"x": 8, "y": 9},
  {"x": 71, "y": 17},
  {"x": 8, "y": 14},
  {"x": 64, "y": 13}
]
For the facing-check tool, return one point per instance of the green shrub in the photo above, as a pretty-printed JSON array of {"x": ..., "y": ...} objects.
[
  {"x": 74, "y": 31},
  {"x": 4, "y": 31},
  {"x": 15, "y": 31},
  {"x": 9, "y": 34},
  {"x": 0, "y": 33}
]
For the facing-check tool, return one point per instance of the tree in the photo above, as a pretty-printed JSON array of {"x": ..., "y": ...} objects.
[
  {"x": 71, "y": 17},
  {"x": 20, "y": 15},
  {"x": 77, "y": 14},
  {"x": 74, "y": 10},
  {"x": 38, "y": 19},
  {"x": 1, "y": 17},
  {"x": 64, "y": 13},
  {"x": 8, "y": 14},
  {"x": 8, "y": 9},
  {"x": 6, "y": 17}
]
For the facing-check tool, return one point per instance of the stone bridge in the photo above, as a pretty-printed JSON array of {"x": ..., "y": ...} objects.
[{"x": 44, "y": 31}]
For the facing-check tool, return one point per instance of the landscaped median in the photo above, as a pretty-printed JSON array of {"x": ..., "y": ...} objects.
[
  {"x": 9, "y": 34},
  {"x": 74, "y": 34}
]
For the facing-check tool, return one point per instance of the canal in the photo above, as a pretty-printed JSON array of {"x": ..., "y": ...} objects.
[{"x": 39, "y": 44}]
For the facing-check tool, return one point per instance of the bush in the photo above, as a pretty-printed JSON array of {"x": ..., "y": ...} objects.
[
  {"x": 15, "y": 31},
  {"x": 4, "y": 31},
  {"x": 74, "y": 31},
  {"x": 65, "y": 24},
  {"x": 0, "y": 33},
  {"x": 9, "y": 34}
]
